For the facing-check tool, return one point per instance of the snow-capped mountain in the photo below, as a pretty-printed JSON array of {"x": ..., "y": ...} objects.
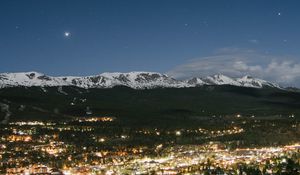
[
  {"x": 136, "y": 80},
  {"x": 219, "y": 79}
]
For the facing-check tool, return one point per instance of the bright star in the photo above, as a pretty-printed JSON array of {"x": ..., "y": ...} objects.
[
  {"x": 279, "y": 13},
  {"x": 67, "y": 34}
]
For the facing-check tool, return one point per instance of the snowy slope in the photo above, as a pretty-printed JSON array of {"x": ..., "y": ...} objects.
[
  {"x": 221, "y": 80},
  {"x": 136, "y": 80},
  {"x": 249, "y": 81}
]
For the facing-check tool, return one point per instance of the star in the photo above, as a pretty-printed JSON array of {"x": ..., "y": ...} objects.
[
  {"x": 67, "y": 34},
  {"x": 279, "y": 13}
]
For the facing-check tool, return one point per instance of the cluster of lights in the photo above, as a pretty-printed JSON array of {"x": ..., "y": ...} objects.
[
  {"x": 97, "y": 119},
  {"x": 161, "y": 158},
  {"x": 184, "y": 159},
  {"x": 31, "y": 123}
]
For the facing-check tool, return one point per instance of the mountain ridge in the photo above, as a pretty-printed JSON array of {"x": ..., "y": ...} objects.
[{"x": 135, "y": 80}]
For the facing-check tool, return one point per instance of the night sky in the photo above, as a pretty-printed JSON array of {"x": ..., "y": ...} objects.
[{"x": 72, "y": 37}]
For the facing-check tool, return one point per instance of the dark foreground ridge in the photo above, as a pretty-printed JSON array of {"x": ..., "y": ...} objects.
[{"x": 152, "y": 105}]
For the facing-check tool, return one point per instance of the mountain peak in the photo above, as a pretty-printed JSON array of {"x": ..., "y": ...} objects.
[{"x": 247, "y": 77}]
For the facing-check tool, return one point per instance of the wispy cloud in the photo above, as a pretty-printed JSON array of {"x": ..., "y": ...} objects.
[
  {"x": 254, "y": 41},
  {"x": 235, "y": 62}
]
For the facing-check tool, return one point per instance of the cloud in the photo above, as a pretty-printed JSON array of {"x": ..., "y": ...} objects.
[
  {"x": 284, "y": 72},
  {"x": 236, "y": 62},
  {"x": 254, "y": 41}
]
